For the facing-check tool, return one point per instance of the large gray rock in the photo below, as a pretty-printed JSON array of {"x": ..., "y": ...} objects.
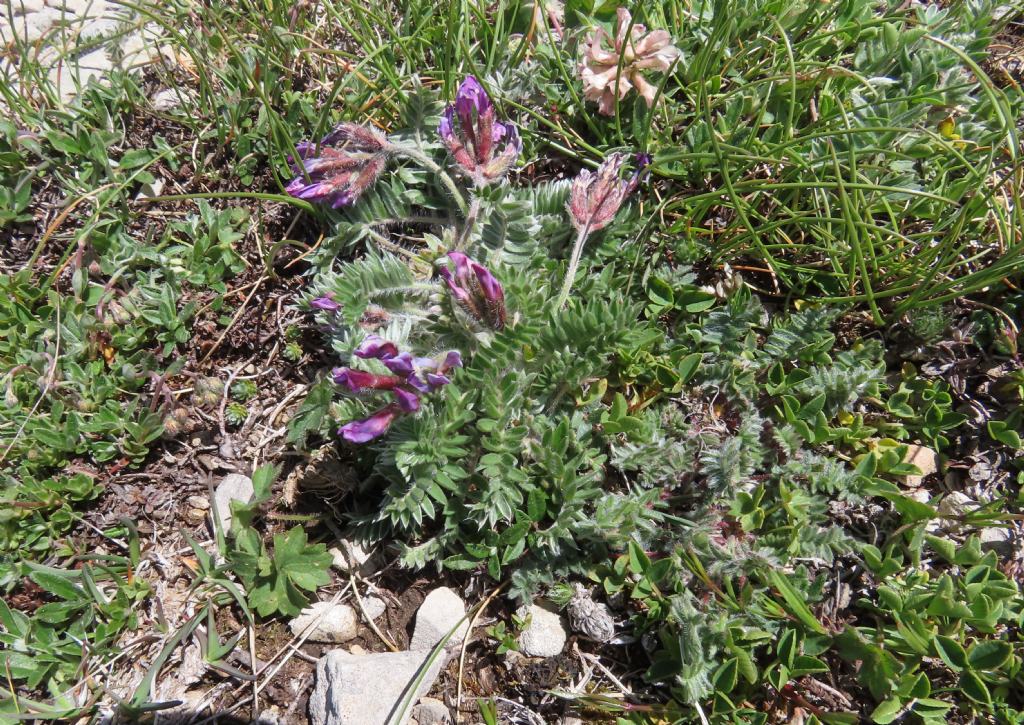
[
  {"x": 439, "y": 613},
  {"x": 331, "y": 622},
  {"x": 370, "y": 689},
  {"x": 997, "y": 539},
  {"x": 234, "y": 487},
  {"x": 545, "y": 635}
]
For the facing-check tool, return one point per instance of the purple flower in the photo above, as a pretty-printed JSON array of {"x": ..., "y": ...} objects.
[
  {"x": 356, "y": 380},
  {"x": 374, "y": 346},
  {"x": 325, "y": 303},
  {"x": 412, "y": 376},
  {"x": 595, "y": 198},
  {"x": 407, "y": 400},
  {"x": 351, "y": 158},
  {"x": 483, "y": 147},
  {"x": 362, "y": 431},
  {"x": 476, "y": 290},
  {"x": 401, "y": 364},
  {"x": 453, "y": 359}
]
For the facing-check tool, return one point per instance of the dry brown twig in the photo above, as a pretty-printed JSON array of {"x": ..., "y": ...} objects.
[{"x": 465, "y": 641}]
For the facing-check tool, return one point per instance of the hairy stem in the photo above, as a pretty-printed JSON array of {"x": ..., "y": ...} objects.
[
  {"x": 428, "y": 163},
  {"x": 574, "y": 263},
  {"x": 471, "y": 217}
]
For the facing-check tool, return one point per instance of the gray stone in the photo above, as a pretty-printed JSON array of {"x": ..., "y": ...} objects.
[
  {"x": 97, "y": 60},
  {"x": 234, "y": 487},
  {"x": 29, "y": 28},
  {"x": 24, "y": 7},
  {"x": 925, "y": 459},
  {"x": 431, "y": 711},
  {"x": 999, "y": 540},
  {"x": 370, "y": 689},
  {"x": 148, "y": 191},
  {"x": 331, "y": 622},
  {"x": 71, "y": 39},
  {"x": 350, "y": 556},
  {"x": 544, "y": 635},
  {"x": 955, "y": 503},
  {"x": 83, "y": 8},
  {"x": 166, "y": 100},
  {"x": 373, "y": 607},
  {"x": 436, "y": 617}
]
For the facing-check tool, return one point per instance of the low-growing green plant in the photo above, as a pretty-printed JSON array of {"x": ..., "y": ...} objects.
[
  {"x": 275, "y": 579},
  {"x": 90, "y": 607},
  {"x": 680, "y": 449}
]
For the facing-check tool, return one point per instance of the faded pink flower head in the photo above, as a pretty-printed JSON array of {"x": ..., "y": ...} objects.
[
  {"x": 595, "y": 197},
  {"x": 640, "y": 50}
]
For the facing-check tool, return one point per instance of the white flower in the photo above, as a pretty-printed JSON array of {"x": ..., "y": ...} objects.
[{"x": 640, "y": 50}]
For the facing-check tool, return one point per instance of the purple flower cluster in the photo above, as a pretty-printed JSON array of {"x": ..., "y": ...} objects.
[
  {"x": 483, "y": 147},
  {"x": 351, "y": 158},
  {"x": 411, "y": 377},
  {"x": 476, "y": 290},
  {"x": 595, "y": 198}
]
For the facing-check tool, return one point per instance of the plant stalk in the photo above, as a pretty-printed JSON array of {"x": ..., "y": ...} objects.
[
  {"x": 428, "y": 163},
  {"x": 574, "y": 263},
  {"x": 467, "y": 228}
]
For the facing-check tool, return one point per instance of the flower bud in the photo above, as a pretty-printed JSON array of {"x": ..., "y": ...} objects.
[
  {"x": 208, "y": 391},
  {"x": 177, "y": 422},
  {"x": 476, "y": 290}
]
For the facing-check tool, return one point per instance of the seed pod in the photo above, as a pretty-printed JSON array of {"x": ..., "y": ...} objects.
[
  {"x": 177, "y": 422},
  {"x": 119, "y": 314},
  {"x": 208, "y": 391},
  {"x": 589, "y": 618}
]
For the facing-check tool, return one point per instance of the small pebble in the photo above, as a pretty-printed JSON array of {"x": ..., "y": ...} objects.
[
  {"x": 198, "y": 502},
  {"x": 545, "y": 635}
]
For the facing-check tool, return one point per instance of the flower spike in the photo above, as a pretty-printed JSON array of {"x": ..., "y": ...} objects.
[
  {"x": 483, "y": 147},
  {"x": 476, "y": 290},
  {"x": 595, "y": 197},
  {"x": 351, "y": 158},
  {"x": 412, "y": 377}
]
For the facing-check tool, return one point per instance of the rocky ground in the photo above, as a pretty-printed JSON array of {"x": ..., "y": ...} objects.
[{"x": 74, "y": 41}]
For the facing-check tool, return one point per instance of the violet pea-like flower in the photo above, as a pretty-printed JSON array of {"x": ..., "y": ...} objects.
[
  {"x": 483, "y": 147},
  {"x": 411, "y": 377},
  {"x": 358, "y": 380},
  {"x": 429, "y": 374},
  {"x": 350, "y": 160},
  {"x": 374, "y": 346},
  {"x": 325, "y": 303},
  {"x": 363, "y": 431},
  {"x": 476, "y": 290}
]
